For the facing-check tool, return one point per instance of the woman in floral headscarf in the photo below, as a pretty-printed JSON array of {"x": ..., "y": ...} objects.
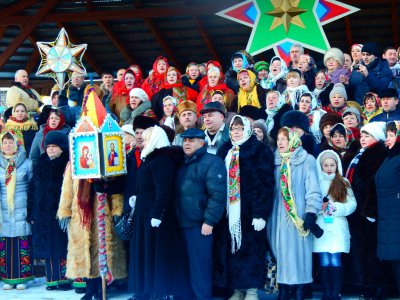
[
  {"x": 153, "y": 83},
  {"x": 297, "y": 201},
  {"x": 371, "y": 107},
  {"x": 243, "y": 242},
  {"x": 15, "y": 231}
]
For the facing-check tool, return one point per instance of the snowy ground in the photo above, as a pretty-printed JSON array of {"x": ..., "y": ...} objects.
[{"x": 37, "y": 291}]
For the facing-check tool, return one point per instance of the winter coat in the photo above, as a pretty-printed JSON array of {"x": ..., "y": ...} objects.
[
  {"x": 14, "y": 225},
  {"x": 231, "y": 80},
  {"x": 195, "y": 85},
  {"x": 130, "y": 178},
  {"x": 387, "y": 116},
  {"x": 378, "y": 79},
  {"x": 77, "y": 94},
  {"x": 280, "y": 85},
  {"x": 346, "y": 156},
  {"x": 201, "y": 189},
  {"x": 309, "y": 78},
  {"x": 159, "y": 264},
  {"x": 128, "y": 114},
  {"x": 388, "y": 193},
  {"x": 277, "y": 120},
  {"x": 83, "y": 247},
  {"x": 49, "y": 241},
  {"x": 335, "y": 75},
  {"x": 292, "y": 251},
  {"x": 336, "y": 237},
  {"x": 246, "y": 268},
  {"x": 16, "y": 94}
]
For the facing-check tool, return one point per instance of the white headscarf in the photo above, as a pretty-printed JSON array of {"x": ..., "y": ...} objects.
[{"x": 154, "y": 138}]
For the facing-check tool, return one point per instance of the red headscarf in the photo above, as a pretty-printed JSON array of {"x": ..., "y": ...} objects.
[
  {"x": 47, "y": 127},
  {"x": 154, "y": 82},
  {"x": 120, "y": 87},
  {"x": 139, "y": 76},
  {"x": 178, "y": 82}
]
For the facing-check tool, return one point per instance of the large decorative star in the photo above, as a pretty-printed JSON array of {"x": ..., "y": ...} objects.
[
  {"x": 286, "y": 12},
  {"x": 60, "y": 58},
  {"x": 302, "y": 22}
]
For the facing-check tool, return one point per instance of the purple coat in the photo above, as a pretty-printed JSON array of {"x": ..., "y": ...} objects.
[{"x": 335, "y": 76}]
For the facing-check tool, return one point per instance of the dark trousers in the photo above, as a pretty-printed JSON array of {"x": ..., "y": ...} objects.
[
  {"x": 199, "y": 250},
  {"x": 396, "y": 270}
]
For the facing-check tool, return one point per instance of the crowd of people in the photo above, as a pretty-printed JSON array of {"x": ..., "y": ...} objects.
[{"x": 288, "y": 162}]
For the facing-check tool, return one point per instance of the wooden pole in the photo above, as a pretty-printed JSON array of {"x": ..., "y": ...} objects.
[{"x": 103, "y": 287}]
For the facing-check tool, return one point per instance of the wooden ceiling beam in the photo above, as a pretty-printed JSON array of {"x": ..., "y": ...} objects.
[
  {"x": 34, "y": 58},
  {"x": 2, "y": 31},
  {"x": 206, "y": 39},
  {"x": 395, "y": 30},
  {"x": 16, "y": 8},
  {"x": 26, "y": 31},
  {"x": 88, "y": 57},
  {"x": 117, "y": 42}
]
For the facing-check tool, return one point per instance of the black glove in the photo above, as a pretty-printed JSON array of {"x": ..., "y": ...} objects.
[
  {"x": 309, "y": 224},
  {"x": 325, "y": 199}
]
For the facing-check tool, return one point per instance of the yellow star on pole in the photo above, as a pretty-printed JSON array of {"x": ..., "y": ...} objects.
[
  {"x": 60, "y": 58},
  {"x": 286, "y": 12}
]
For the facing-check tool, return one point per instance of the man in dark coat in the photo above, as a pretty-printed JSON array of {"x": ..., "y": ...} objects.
[
  {"x": 390, "y": 112},
  {"x": 201, "y": 199},
  {"x": 76, "y": 92}
]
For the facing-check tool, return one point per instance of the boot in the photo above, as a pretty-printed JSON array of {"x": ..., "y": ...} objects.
[
  {"x": 284, "y": 292},
  {"x": 299, "y": 292},
  {"x": 91, "y": 289},
  {"x": 337, "y": 279},
  {"x": 99, "y": 289},
  {"x": 325, "y": 283},
  {"x": 237, "y": 295},
  {"x": 251, "y": 294}
]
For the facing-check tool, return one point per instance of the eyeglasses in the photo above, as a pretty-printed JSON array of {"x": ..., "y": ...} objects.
[{"x": 233, "y": 129}]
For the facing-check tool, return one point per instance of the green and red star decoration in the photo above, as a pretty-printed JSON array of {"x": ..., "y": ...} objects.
[{"x": 278, "y": 24}]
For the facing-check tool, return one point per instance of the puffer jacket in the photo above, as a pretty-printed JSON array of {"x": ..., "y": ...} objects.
[
  {"x": 15, "y": 224},
  {"x": 201, "y": 189}
]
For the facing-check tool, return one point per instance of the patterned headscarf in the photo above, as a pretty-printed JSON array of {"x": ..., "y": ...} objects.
[
  {"x": 285, "y": 181},
  {"x": 348, "y": 136}
]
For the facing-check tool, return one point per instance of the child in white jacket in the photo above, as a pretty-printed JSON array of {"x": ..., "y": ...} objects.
[{"x": 339, "y": 202}]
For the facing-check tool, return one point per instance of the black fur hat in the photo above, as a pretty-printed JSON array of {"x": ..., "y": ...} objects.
[
  {"x": 295, "y": 118},
  {"x": 143, "y": 122}
]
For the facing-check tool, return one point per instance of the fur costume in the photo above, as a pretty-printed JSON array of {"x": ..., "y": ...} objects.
[{"x": 16, "y": 94}]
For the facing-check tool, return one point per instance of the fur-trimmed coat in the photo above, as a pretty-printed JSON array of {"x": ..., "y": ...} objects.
[
  {"x": 16, "y": 94},
  {"x": 82, "y": 257},
  {"x": 245, "y": 269},
  {"x": 348, "y": 155}
]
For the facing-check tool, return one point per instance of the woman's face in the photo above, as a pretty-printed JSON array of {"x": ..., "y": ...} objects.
[
  {"x": 367, "y": 140},
  {"x": 53, "y": 151},
  {"x": 218, "y": 98},
  {"x": 85, "y": 152},
  {"x": 263, "y": 73},
  {"x": 303, "y": 63},
  {"x": 390, "y": 139},
  {"x": 237, "y": 132},
  {"x": 134, "y": 101},
  {"x": 370, "y": 104},
  {"x": 8, "y": 146},
  {"x": 332, "y": 64},
  {"x": 327, "y": 130},
  {"x": 305, "y": 104},
  {"x": 212, "y": 79},
  {"x": 194, "y": 72},
  {"x": 282, "y": 143},
  {"x": 172, "y": 77},
  {"x": 272, "y": 100},
  {"x": 356, "y": 54},
  {"x": 238, "y": 63},
  {"x": 161, "y": 66},
  {"x": 54, "y": 100},
  {"x": 329, "y": 166},
  {"x": 259, "y": 134},
  {"x": 129, "y": 80},
  {"x": 168, "y": 108},
  {"x": 244, "y": 80},
  {"x": 293, "y": 81},
  {"x": 54, "y": 120},
  {"x": 320, "y": 81},
  {"x": 20, "y": 113},
  {"x": 337, "y": 101},
  {"x": 338, "y": 140},
  {"x": 276, "y": 67},
  {"x": 350, "y": 120}
]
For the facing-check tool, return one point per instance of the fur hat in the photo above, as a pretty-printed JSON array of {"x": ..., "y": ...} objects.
[
  {"x": 354, "y": 111},
  {"x": 251, "y": 112},
  {"x": 330, "y": 118},
  {"x": 138, "y": 92},
  {"x": 295, "y": 118},
  {"x": 143, "y": 122},
  {"x": 376, "y": 129},
  {"x": 187, "y": 105},
  {"x": 389, "y": 93},
  {"x": 371, "y": 48},
  {"x": 335, "y": 53},
  {"x": 128, "y": 128},
  {"x": 56, "y": 137},
  {"x": 338, "y": 88},
  {"x": 261, "y": 125}
]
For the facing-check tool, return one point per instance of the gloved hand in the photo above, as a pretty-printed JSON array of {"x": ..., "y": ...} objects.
[
  {"x": 371, "y": 219},
  {"x": 132, "y": 201},
  {"x": 258, "y": 224},
  {"x": 64, "y": 222},
  {"x": 155, "y": 222},
  {"x": 309, "y": 224}
]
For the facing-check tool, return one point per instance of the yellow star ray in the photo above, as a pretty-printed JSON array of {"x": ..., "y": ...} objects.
[{"x": 285, "y": 13}]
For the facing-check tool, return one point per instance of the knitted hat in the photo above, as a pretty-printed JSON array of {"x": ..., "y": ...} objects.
[
  {"x": 389, "y": 93},
  {"x": 328, "y": 154},
  {"x": 295, "y": 118},
  {"x": 336, "y": 54},
  {"x": 371, "y": 48},
  {"x": 138, "y": 92},
  {"x": 330, "y": 118},
  {"x": 187, "y": 105},
  {"x": 261, "y": 65},
  {"x": 338, "y": 88},
  {"x": 354, "y": 111},
  {"x": 56, "y": 137},
  {"x": 143, "y": 122},
  {"x": 359, "y": 46},
  {"x": 376, "y": 129},
  {"x": 261, "y": 125}
]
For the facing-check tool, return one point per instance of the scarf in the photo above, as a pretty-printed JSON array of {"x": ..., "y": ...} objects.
[
  {"x": 339, "y": 110},
  {"x": 250, "y": 95},
  {"x": 10, "y": 180},
  {"x": 233, "y": 203},
  {"x": 85, "y": 194},
  {"x": 23, "y": 125},
  {"x": 353, "y": 165},
  {"x": 155, "y": 79},
  {"x": 349, "y": 137},
  {"x": 272, "y": 79},
  {"x": 285, "y": 182},
  {"x": 155, "y": 138},
  {"x": 47, "y": 127},
  {"x": 292, "y": 95},
  {"x": 271, "y": 114}
]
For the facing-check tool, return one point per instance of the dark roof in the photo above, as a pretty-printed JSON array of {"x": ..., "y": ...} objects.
[{"x": 123, "y": 32}]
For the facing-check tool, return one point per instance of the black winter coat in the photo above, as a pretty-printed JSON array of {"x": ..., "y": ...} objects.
[
  {"x": 195, "y": 85},
  {"x": 130, "y": 178},
  {"x": 159, "y": 265},
  {"x": 277, "y": 120},
  {"x": 245, "y": 269},
  {"x": 49, "y": 241},
  {"x": 201, "y": 189},
  {"x": 387, "y": 181},
  {"x": 231, "y": 80}
]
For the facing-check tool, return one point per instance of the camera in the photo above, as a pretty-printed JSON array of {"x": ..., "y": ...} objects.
[{"x": 357, "y": 67}]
